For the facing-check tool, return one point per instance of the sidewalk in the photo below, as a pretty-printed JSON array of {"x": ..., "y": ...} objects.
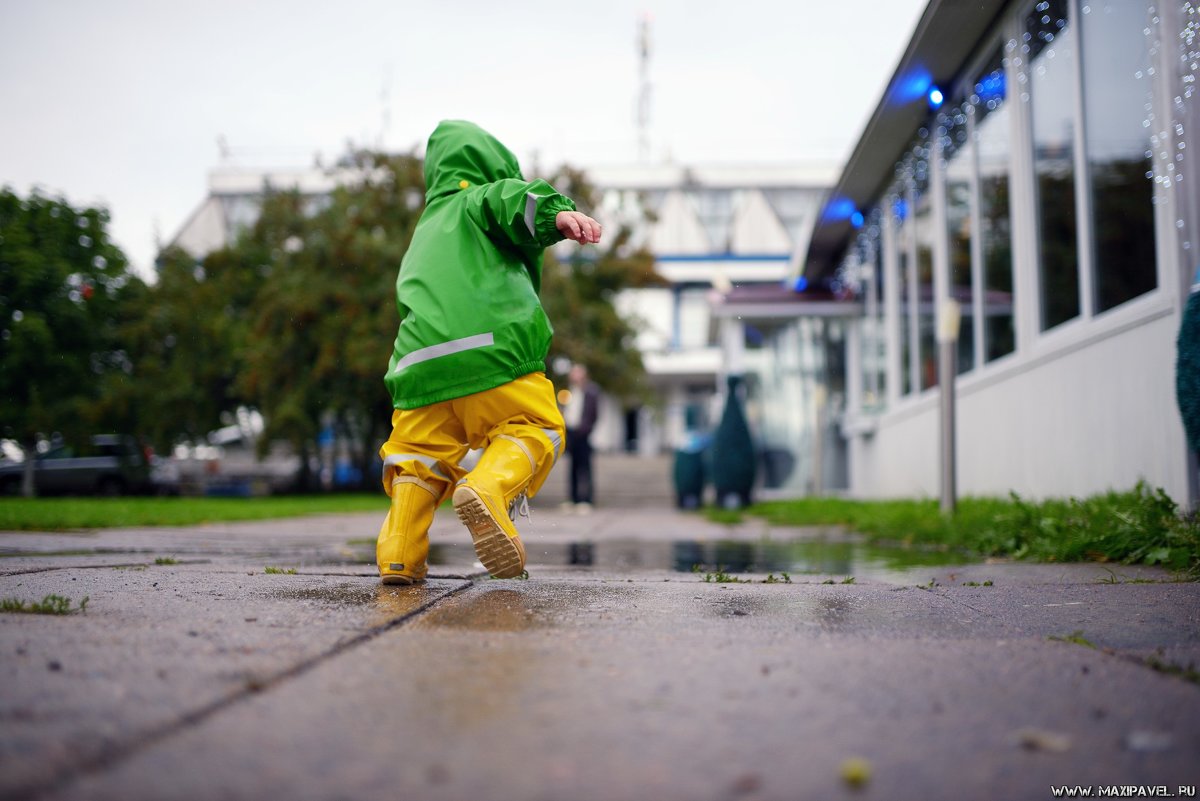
[{"x": 613, "y": 672}]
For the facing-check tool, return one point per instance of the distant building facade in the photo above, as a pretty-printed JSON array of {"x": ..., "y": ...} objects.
[
  {"x": 1037, "y": 162},
  {"x": 712, "y": 230}
]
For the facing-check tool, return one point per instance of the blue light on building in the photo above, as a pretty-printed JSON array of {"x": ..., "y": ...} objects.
[
  {"x": 911, "y": 86},
  {"x": 839, "y": 208}
]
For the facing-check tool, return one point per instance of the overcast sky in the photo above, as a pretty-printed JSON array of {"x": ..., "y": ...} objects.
[{"x": 122, "y": 103}]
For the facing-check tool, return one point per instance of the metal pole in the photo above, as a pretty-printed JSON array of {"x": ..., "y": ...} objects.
[
  {"x": 949, "y": 317},
  {"x": 947, "y": 368}
]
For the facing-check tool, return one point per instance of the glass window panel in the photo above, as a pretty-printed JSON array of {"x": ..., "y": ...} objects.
[
  {"x": 795, "y": 208},
  {"x": 927, "y": 347},
  {"x": 868, "y": 259},
  {"x": 1116, "y": 96},
  {"x": 960, "y": 164},
  {"x": 714, "y": 207},
  {"x": 995, "y": 227},
  {"x": 875, "y": 338},
  {"x": 904, "y": 288},
  {"x": 696, "y": 329},
  {"x": 1050, "y": 44}
]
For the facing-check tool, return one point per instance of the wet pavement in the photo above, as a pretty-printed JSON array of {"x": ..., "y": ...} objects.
[{"x": 649, "y": 655}]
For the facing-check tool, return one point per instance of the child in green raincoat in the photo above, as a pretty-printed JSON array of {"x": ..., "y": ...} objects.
[{"x": 468, "y": 366}]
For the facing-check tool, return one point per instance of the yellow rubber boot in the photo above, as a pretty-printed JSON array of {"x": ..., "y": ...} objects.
[
  {"x": 403, "y": 545},
  {"x": 483, "y": 501}
]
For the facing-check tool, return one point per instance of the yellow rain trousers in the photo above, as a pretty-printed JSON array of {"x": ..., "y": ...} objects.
[{"x": 520, "y": 429}]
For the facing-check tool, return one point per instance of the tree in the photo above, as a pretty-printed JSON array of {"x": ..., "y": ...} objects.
[
  {"x": 578, "y": 295},
  {"x": 185, "y": 335},
  {"x": 62, "y": 285},
  {"x": 324, "y": 319}
]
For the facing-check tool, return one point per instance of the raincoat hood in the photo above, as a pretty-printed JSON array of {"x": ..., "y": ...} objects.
[{"x": 460, "y": 151}]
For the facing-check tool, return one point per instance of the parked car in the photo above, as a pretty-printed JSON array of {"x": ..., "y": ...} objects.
[{"x": 108, "y": 464}]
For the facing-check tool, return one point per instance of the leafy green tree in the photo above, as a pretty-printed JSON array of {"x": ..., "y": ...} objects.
[
  {"x": 324, "y": 319},
  {"x": 578, "y": 294},
  {"x": 185, "y": 334},
  {"x": 62, "y": 286}
]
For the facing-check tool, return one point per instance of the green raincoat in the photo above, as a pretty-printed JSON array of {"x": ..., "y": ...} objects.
[{"x": 467, "y": 293}]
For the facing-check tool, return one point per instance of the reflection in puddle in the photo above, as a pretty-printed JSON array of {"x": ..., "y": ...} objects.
[
  {"x": 798, "y": 557},
  {"x": 512, "y": 609},
  {"x": 385, "y": 602},
  {"x": 494, "y": 609}
]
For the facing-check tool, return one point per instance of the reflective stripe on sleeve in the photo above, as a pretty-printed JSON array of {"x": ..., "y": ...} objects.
[
  {"x": 445, "y": 349},
  {"x": 531, "y": 201}
]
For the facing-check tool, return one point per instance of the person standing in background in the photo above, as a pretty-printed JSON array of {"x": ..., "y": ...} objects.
[{"x": 580, "y": 413}]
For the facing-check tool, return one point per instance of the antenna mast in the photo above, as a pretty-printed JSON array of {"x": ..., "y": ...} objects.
[
  {"x": 643, "y": 103},
  {"x": 385, "y": 106}
]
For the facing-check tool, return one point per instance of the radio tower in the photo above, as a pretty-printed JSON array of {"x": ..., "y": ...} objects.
[{"x": 643, "y": 102}]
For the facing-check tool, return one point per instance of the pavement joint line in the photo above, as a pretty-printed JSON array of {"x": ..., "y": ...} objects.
[
  {"x": 7, "y": 574},
  {"x": 119, "y": 752}
]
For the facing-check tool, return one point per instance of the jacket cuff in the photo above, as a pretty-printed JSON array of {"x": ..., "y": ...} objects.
[{"x": 548, "y": 207}]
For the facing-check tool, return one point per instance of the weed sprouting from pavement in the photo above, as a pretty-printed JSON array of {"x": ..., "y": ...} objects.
[
  {"x": 1075, "y": 638},
  {"x": 721, "y": 577},
  {"x": 50, "y": 605},
  {"x": 987, "y": 583},
  {"x": 1189, "y": 673},
  {"x": 286, "y": 571},
  {"x": 166, "y": 560}
]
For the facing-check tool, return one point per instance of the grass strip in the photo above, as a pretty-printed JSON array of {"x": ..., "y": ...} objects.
[
  {"x": 63, "y": 514},
  {"x": 1141, "y": 526}
]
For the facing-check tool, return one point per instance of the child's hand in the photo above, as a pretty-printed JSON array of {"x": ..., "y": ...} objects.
[{"x": 580, "y": 227}]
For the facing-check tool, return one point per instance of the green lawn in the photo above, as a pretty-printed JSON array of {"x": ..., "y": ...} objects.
[
  {"x": 59, "y": 514},
  {"x": 1140, "y": 526}
]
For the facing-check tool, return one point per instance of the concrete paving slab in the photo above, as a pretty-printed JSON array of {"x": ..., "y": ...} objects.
[
  {"x": 158, "y": 645},
  {"x": 613, "y": 672},
  {"x": 550, "y": 689}
]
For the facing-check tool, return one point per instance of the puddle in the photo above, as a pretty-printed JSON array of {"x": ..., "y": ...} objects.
[
  {"x": 505, "y": 609},
  {"x": 382, "y": 603},
  {"x": 795, "y": 557}
]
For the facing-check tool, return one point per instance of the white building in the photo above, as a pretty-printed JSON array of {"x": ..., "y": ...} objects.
[
  {"x": 711, "y": 229},
  {"x": 1036, "y": 161}
]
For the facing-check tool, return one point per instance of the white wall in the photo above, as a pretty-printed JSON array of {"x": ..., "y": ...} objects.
[{"x": 1019, "y": 427}]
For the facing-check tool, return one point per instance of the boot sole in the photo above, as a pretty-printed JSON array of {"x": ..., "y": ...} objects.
[
  {"x": 500, "y": 554},
  {"x": 402, "y": 581}
]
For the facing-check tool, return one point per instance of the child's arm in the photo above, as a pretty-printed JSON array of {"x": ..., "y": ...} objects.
[{"x": 530, "y": 215}]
